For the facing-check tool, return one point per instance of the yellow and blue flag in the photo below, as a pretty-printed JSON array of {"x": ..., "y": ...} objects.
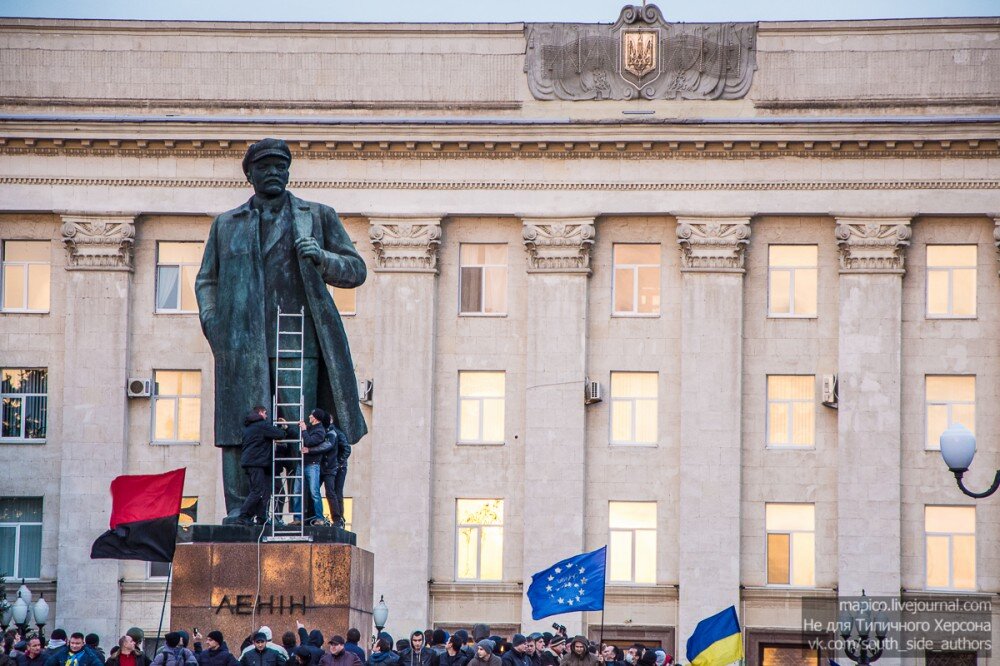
[{"x": 716, "y": 640}]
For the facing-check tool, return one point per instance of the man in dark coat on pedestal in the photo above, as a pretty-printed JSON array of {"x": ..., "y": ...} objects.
[{"x": 275, "y": 251}]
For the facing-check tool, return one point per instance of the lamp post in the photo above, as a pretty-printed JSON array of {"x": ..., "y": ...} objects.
[
  {"x": 23, "y": 612},
  {"x": 380, "y": 614},
  {"x": 958, "y": 448},
  {"x": 864, "y": 649}
]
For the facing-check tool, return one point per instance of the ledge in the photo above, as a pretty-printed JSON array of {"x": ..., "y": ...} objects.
[{"x": 474, "y": 588}]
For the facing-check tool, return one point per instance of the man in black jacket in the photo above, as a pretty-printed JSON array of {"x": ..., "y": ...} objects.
[
  {"x": 261, "y": 654},
  {"x": 217, "y": 652},
  {"x": 314, "y": 446},
  {"x": 417, "y": 654},
  {"x": 256, "y": 459},
  {"x": 334, "y": 469}
]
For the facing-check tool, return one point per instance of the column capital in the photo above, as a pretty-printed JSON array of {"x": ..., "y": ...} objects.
[
  {"x": 98, "y": 242},
  {"x": 558, "y": 244},
  {"x": 713, "y": 244},
  {"x": 873, "y": 244},
  {"x": 405, "y": 244},
  {"x": 996, "y": 230}
]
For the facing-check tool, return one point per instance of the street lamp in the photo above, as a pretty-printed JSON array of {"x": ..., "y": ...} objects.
[
  {"x": 23, "y": 612},
  {"x": 864, "y": 649},
  {"x": 380, "y": 615},
  {"x": 958, "y": 448}
]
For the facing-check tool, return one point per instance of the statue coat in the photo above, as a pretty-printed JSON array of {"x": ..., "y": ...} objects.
[{"x": 229, "y": 288}]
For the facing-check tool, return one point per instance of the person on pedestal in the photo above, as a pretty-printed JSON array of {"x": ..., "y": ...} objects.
[
  {"x": 256, "y": 459},
  {"x": 276, "y": 251},
  {"x": 314, "y": 447},
  {"x": 335, "y": 474}
]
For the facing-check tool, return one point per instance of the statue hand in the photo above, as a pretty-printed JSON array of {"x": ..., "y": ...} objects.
[{"x": 308, "y": 248}]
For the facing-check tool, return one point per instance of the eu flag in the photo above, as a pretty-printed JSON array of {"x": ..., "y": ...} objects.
[{"x": 575, "y": 584}]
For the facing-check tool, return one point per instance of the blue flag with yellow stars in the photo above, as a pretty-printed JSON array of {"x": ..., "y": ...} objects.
[{"x": 575, "y": 584}]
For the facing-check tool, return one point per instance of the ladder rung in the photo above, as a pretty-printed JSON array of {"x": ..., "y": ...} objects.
[{"x": 294, "y": 351}]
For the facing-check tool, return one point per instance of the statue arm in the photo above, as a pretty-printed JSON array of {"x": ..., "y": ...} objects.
[
  {"x": 206, "y": 285},
  {"x": 341, "y": 265}
]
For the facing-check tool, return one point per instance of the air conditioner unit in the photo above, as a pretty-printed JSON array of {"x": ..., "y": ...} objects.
[
  {"x": 831, "y": 391},
  {"x": 366, "y": 389},
  {"x": 592, "y": 392},
  {"x": 139, "y": 387}
]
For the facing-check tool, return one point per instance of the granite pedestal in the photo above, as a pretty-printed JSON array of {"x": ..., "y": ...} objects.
[{"x": 326, "y": 583}]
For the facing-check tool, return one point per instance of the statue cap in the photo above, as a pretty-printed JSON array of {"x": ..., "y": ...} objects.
[{"x": 265, "y": 148}]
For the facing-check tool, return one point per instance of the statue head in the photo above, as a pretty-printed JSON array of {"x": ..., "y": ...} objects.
[{"x": 266, "y": 167}]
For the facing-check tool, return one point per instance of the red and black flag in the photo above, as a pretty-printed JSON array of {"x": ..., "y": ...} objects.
[{"x": 144, "y": 514}]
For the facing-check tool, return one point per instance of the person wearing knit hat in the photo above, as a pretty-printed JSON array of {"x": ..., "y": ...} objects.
[
  {"x": 648, "y": 658},
  {"x": 484, "y": 653},
  {"x": 517, "y": 655},
  {"x": 216, "y": 652},
  {"x": 553, "y": 652}
]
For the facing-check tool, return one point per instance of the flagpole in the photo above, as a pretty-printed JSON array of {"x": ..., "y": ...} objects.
[
  {"x": 170, "y": 573},
  {"x": 601, "y": 640}
]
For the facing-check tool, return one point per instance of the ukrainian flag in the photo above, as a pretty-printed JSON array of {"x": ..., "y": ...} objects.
[{"x": 716, "y": 640}]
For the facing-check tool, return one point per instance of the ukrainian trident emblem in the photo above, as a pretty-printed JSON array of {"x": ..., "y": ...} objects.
[{"x": 640, "y": 52}]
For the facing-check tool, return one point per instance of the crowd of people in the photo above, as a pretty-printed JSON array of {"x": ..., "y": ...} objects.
[{"x": 480, "y": 647}]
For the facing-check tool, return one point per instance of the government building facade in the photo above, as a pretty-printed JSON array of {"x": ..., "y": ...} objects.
[{"x": 707, "y": 294}]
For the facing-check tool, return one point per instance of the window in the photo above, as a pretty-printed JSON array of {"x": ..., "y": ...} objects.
[
  {"x": 27, "y": 273},
  {"x": 632, "y": 542},
  {"x": 636, "y": 279},
  {"x": 791, "y": 410},
  {"x": 483, "y": 278},
  {"x": 24, "y": 393},
  {"x": 788, "y": 655},
  {"x": 951, "y": 281},
  {"x": 348, "y": 512},
  {"x": 177, "y": 266},
  {"x": 950, "y": 532},
  {"x": 791, "y": 280},
  {"x": 176, "y": 406},
  {"x": 481, "y": 407},
  {"x": 634, "y": 407},
  {"x": 188, "y": 516},
  {"x": 479, "y": 539},
  {"x": 346, "y": 300},
  {"x": 791, "y": 544},
  {"x": 950, "y": 399},
  {"x": 20, "y": 537}
]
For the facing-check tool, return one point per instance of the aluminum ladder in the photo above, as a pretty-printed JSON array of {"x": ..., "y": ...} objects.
[{"x": 287, "y": 406}]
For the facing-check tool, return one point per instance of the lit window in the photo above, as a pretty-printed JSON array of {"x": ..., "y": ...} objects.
[
  {"x": 791, "y": 410},
  {"x": 177, "y": 406},
  {"x": 348, "y": 512},
  {"x": 950, "y": 399},
  {"x": 636, "y": 279},
  {"x": 951, "y": 280},
  {"x": 346, "y": 300},
  {"x": 481, "y": 407},
  {"x": 483, "y": 279},
  {"x": 791, "y": 544},
  {"x": 950, "y": 532},
  {"x": 27, "y": 272},
  {"x": 632, "y": 542},
  {"x": 791, "y": 280},
  {"x": 784, "y": 655},
  {"x": 188, "y": 516},
  {"x": 24, "y": 393},
  {"x": 177, "y": 266},
  {"x": 634, "y": 407},
  {"x": 479, "y": 539},
  {"x": 20, "y": 537}
]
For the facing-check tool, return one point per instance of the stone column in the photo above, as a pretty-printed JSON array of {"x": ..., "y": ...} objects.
[
  {"x": 94, "y": 414},
  {"x": 402, "y": 430},
  {"x": 554, "y": 427},
  {"x": 711, "y": 387},
  {"x": 869, "y": 438}
]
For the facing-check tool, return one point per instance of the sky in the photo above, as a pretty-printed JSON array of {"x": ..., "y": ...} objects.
[{"x": 473, "y": 11}]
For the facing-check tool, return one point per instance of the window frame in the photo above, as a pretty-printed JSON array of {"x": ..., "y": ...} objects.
[
  {"x": 176, "y": 399},
  {"x": 951, "y": 549},
  {"x": 479, "y": 541},
  {"x": 22, "y": 439},
  {"x": 634, "y": 269},
  {"x": 949, "y": 270},
  {"x": 792, "y": 270},
  {"x": 632, "y": 531},
  {"x": 17, "y": 538},
  {"x": 180, "y": 268},
  {"x": 4, "y": 262},
  {"x": 791, "y": 548},
  {"x": 633, "y": 400},
  {"x": 790, "y": 446},
  {"x": 482, "y": 421},
  {"x": 948, "y": 405},
  {"x": 482, "y": 287}
]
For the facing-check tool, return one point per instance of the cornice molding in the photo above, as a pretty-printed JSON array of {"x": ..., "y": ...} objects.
[
  {"x": 98, "y": 242},
  {"x": 405, "y": 244},
  {"x": 713, "y": 244},
  {"x": 873, "y": 244},
  {"x": 558, "y": 245}
]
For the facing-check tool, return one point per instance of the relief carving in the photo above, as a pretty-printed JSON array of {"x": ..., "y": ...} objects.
[
  {"x": 405, "y": 245},
  {"x": 872, "y": 245},
  {"x": 559, "y": 246},
  {"x": 99, "y": 242},
  {"x": 713, "y": 245}
]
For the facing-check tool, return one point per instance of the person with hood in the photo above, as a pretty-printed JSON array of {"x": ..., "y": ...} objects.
[
  {"x": 484, "y": 653},
  {"x": 453, "y": 653},
  {"x": 266, "y": 630},
  {"x": 579, "y": 653},
  {"x": 289, "y": 641},
  {"x": 175, "y": 654},
  {"x": 416, "y": 654},
  {"x": 217, "y": 652},
  {"x": 382, "y": 654},
  {"x": 260, "y": 653},
  {"x": 256, "y": 460},
  {"x": 128, "y": 654},
  {"x": 57, "y": 640},
  {"x": 311, "y": 642},
  {"x": 338, "y": 655}
]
